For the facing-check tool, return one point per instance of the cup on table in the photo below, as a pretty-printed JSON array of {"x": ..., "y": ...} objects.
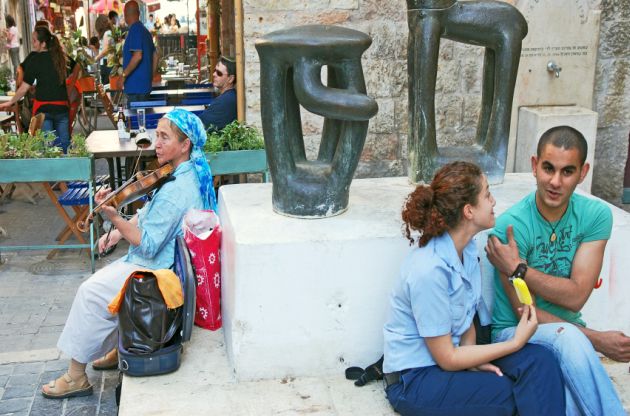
[
  {"x": 141, "y": 120},
  {"x": 180, "y": 67},
  {"x": 171, "y": 61}
]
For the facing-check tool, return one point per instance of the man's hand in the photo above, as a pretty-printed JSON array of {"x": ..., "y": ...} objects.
[
  {"x": 504, "y": 257},
  {"x": 613, "y": 344}
]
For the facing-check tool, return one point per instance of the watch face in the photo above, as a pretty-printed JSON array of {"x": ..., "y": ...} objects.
[{"x": 521, "y": 269}]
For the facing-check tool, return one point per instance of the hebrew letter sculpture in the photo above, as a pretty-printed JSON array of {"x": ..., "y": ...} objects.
[
  {"x": 291, "y": 62},
  {"x": 499, "y": 27}
]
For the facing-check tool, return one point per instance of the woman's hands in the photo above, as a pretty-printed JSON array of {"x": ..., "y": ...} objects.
[
  {"x": 107, "y": 240},
  {"x": 526, "y": 326},
  {"x": 490, "y": 368},
  {"x": 108, "y": 210}
]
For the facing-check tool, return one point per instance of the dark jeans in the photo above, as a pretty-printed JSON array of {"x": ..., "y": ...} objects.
[
  {"x": 59, "y": 123},
  {"x": 105, "y": 71},
  {"x": 14, "y": 53},
  {"x": 531, "y": 386}
]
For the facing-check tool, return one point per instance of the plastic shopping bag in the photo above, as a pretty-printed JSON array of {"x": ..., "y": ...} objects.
[{"x": 202, "y": 233}]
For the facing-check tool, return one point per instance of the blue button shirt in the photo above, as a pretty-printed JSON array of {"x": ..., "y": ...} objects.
[
  {"x": 435, "y": 295},
  {"x": 160, "y": 221}
]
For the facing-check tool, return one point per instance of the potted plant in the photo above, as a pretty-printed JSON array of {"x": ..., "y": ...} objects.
[
  {"x": 160, "y": 70},
  {"x": 115, "y": 59},
  {"x": 77, "y": 50},
  {"x": 5, "y": 78},
  {"x": 238, "y": 148}
]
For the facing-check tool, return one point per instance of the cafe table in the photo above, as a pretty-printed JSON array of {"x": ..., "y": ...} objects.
[
  {"x": 14, "y": 110},
  {"x": 105, "y": 144}
]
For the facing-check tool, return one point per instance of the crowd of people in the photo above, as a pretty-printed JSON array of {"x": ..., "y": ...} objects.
[{"x": 53, "y": 71}]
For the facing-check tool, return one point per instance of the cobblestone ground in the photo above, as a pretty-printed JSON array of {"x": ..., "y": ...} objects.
[
  {"x": 35, "y": 298},
  {"x": 21, "y": 384}
]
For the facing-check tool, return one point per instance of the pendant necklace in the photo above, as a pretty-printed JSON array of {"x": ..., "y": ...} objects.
[{"x": 553, "y": 236}]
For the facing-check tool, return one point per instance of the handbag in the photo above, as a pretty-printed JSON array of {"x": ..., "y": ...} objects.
[
  {"x": 145, "y": 323},
  {"x": 202, "y": 233}
]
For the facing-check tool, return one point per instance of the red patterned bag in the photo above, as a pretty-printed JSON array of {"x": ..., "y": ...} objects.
[{"x": 202, "y": 233}]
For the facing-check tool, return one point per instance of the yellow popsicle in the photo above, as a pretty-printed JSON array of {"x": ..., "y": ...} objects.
[{"x": 522, "y": 291}]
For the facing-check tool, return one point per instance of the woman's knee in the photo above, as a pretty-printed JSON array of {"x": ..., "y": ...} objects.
[{"x": 541, "y": 355}]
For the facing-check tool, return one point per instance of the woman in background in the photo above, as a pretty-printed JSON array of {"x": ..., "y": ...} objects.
[
  {"x": 104, "y": 29},
  {"x": 47, "y": 66},
  {"x": 13, "y": 42}
]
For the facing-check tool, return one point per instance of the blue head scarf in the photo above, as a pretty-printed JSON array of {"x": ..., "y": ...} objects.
[{"x": 193, "y": 128}]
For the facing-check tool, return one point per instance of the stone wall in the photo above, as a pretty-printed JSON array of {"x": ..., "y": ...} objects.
[
  {"x": 612, "y": 101},
  {"x": 384, "y": 66},
  {"x": 458, "y": 86}
]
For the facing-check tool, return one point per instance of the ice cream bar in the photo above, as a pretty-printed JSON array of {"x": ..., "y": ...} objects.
[{"x": 522, "y": 291}]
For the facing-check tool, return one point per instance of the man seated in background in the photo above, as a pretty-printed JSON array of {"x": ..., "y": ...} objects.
[{"x": 222, "y": 110}]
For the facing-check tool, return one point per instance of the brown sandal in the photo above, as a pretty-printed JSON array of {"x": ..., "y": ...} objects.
[
  {"x": 65, "y": 387},
  {"x": 108, "y": 362}
]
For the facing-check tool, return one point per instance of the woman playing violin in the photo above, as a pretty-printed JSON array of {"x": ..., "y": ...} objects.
[{"x": 91, "y": 331}]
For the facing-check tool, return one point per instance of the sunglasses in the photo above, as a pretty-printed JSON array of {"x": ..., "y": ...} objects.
[{"x": 219, "y": 73}]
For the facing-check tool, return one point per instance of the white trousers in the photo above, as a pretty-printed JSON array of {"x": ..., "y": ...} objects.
[{"x": 91, "y": 331}]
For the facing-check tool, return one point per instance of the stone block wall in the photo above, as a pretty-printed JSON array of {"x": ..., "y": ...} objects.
[
  {"x": 458, "y": 95},
  {"x": 612, "y": 101}
]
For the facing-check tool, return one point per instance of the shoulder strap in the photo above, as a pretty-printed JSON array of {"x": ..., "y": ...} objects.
[{"x": 362, "y": 377}]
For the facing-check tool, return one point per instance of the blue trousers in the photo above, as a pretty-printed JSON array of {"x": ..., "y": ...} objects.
[
  {"x": 590, "y": 392},
  {"x": 58, "y": 123},
  {"x": 531, "y": 386}
]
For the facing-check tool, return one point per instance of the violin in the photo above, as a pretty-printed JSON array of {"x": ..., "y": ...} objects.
[{"x": 136, "y": 187}]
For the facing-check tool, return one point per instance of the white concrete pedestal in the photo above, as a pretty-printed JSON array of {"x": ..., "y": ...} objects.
[{"x": 309, "y": 297}]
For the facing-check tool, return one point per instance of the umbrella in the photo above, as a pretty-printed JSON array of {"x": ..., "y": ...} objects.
[{"x": 104, "y": 6}]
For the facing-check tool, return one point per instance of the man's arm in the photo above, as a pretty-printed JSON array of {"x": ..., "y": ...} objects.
[
  {"x": 571, "y": 293},
  {"x": 613, "y": 344},
  {"x": 136, "y": 57},
  {"x": 155, "y": 62}
]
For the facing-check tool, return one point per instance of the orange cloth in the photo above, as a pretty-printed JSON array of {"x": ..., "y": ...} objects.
[{"x": 168, "y": 282}]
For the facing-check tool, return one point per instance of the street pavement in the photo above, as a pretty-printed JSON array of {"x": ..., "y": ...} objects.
[{"x": 35, "y": 298}]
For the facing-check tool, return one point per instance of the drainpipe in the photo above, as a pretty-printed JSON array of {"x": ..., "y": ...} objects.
[{"x": 240, "y": 58}]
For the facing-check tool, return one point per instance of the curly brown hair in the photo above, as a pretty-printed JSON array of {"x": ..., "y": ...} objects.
[{"x": 435, "y": 208}]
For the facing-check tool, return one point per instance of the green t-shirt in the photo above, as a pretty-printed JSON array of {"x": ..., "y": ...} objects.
[{"x": 585, "y": 220}]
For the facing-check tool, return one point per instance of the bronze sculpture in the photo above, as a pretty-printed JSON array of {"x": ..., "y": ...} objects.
[
  {"x": 291, "y": 62},
  {"x": 497, "y": 26}
]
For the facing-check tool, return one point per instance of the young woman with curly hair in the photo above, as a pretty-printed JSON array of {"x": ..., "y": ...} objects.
[{"x": 432, "y": 365}]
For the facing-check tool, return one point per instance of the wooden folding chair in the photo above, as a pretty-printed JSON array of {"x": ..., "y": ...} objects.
[
  {"x": 107, "y": 103},
  {"x": 36, "y": 123}
]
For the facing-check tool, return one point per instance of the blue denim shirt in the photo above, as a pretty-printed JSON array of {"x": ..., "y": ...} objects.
[
  {"x": 160, "y": 221},
  {"x": 435, "y": 295}
]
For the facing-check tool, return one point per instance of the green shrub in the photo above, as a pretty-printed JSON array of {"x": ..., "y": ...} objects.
[
  {"x": 6, "y": 73},
  {"x": 25, "y": 146},
  {"x": 235, "y": 136}
]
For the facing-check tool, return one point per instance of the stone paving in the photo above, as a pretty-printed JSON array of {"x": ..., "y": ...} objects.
[{"x": 35, "y": 298}]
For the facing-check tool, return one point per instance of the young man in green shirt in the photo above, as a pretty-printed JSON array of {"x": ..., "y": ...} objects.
[{"x": 558, "y": 239}]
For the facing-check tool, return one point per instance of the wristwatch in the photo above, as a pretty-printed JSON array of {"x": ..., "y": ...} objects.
[{"x": 521, "y": 271}]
